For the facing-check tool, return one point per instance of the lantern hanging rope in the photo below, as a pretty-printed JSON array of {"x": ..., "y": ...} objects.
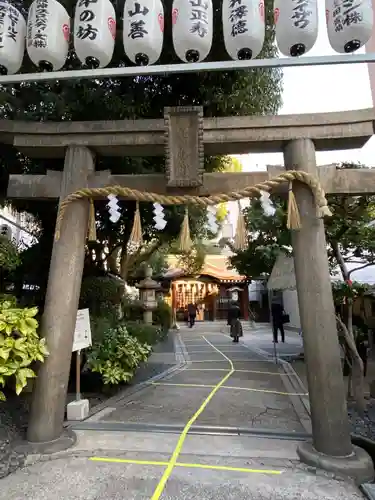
[{"x": 202, "y": 201}]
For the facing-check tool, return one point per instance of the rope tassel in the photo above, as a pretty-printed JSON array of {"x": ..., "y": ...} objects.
[
  {"x": 240, "y": 239},
  {"x": 91, "y": 230},
  {"x": 294, "y": 219},
  {"x": 136, "y": 237},
  {"x": 184, "y": 241}
]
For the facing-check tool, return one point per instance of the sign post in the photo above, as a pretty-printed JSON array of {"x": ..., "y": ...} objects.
[{"x": 79, "y": 409}]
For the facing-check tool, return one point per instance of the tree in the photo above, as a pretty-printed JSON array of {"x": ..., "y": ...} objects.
[
  {"x": 220, "y": 93},
  {"x": 233, "y": 165},
  {"x": 192, "y": 261},
  {"x": 267, "y": 237},
  {"x": 9, "y": 260},
  {"x": 350, "y": 241}
]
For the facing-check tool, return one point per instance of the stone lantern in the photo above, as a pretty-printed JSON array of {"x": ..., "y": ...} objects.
[{"x": 147, "y": 288}]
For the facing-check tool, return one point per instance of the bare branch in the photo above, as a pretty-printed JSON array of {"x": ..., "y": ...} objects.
[{"x": 360, "y": 267}]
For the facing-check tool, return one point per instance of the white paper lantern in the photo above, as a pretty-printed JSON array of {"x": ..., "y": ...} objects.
[
  {"x": 243, "y": 28},
  {"x": 143, "y": 31},
  {"x": 349, "y": 24},
  {"x": 94, "y": 32},
  {"x": 12, "y": 39},
  {"x": 192, "y": 29},
  {"x": 47, "y": 35},
  {"x": 296, "y": 26}
]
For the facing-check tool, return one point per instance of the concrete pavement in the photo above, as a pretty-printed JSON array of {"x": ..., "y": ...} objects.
[{"x": 222, "y": 385}]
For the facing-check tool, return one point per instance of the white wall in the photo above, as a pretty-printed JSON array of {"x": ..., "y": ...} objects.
[
  {"x": 290, "y": 300},
  {"x": 16, "y": 222}
]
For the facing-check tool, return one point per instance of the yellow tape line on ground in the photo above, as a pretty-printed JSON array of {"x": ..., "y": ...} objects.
[
  {"x": 173, "y": 460},
  {"x": 234, "y": 387},
  {"x": 237, "y": 371},
  {"x": 188, "y": 466}
]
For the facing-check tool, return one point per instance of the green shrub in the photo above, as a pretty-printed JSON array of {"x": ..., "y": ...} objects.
[
  {"x": 100, "y": 324},
  {"x": 10, "y": 299},
  {"x": 132, "y": 309},
  {"x": 9, "y": 255},
  {"x": 144, "y": 333},
  {"x": 20, "y": 345},
  {"x": 163, "y": 315},
  {"x": 117, "y": 356},
  {"x": 102, "y": 295}
]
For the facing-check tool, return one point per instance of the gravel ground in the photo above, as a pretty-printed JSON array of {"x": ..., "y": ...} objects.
[
  {"x": 15, "y": 411},
  {"x": 363, "y": 426}
]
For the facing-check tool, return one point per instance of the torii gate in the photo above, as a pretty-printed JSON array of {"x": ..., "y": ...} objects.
[{"x": 184, "y": 136}]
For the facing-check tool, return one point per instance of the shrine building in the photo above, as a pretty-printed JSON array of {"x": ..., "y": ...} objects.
[{"x": 211, "y": 290}]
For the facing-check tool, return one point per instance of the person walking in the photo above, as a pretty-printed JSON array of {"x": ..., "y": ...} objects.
[
  {"x": 192, "y": 314},
  {"x": 234, "y": 313},
  {"x": 277, "y": 311}
]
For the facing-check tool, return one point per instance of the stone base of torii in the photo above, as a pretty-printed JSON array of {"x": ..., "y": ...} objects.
[{"x": 184, "y": 136}]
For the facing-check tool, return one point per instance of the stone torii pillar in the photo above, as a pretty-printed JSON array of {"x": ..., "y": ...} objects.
[
  {"x": 61, "y": 304},
  {"x": 331, "y": 448}
]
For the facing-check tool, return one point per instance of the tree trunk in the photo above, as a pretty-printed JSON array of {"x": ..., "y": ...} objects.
[
  {"x": 356, "y": 379},
  {"x": 112, "y": 261},
  {"x": 356, "y": 368}
]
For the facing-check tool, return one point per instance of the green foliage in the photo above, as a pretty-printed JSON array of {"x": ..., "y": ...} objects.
[
  {"x": 10, "y": 299},
  {"x": 192, "y": 261},
  {"x": 20, "y": 345},
  {"x": 145, "y": 334},
  {"x": 117, "y": 356},
  {"x": 350, "y": 240},
  {"x": 9, "y": 255},
  {"x": 131, "y": 309},
  {"x": 268, "y": 237},
  {"x": 101, "y": 294},
  {"x": 163, "y": 315},
  {"x": 157, "y": 261},
  {"x": 342, "y": 291},
  {"x": 100, "y": 324}
]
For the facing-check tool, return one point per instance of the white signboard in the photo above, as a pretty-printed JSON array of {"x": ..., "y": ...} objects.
[{"x": 82, "y": 332}]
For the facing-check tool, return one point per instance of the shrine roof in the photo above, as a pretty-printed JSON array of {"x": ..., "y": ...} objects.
[{"x": 215, "y": 266}]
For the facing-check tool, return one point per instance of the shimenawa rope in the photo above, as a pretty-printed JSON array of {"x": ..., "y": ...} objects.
[{"x": 203, "y": 201}]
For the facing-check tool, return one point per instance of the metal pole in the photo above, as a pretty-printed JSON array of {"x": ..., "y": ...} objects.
[
  {"x": 270, "y": 309},
  {"x": 78, "y": 375},
  {"x": 162, "y": 69}
]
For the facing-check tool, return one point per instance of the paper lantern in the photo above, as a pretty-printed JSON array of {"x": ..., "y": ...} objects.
[
  {"x": 296, "y": 26},
  {"x": 349, "y": 24},
  {"x": 143, "y": 31},
  {"x": 243, "y": 28},
  {"x": 47, "y": 34},
  {"x": 192, "y": 29},
  {"x": 94, "y": 32},
  {"x": 12, "y": 39}
]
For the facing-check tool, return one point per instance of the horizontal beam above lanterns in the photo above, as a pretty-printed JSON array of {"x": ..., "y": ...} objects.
[
  {"x": 226, "y": 135},
  {"x": 333, "y": 180}
]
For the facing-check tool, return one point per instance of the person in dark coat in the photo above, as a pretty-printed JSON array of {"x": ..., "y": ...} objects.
[
  {"x": 234, "y": 313},
  {"x": 192, "y": 314},
  {"x": 277, "y": 311}
]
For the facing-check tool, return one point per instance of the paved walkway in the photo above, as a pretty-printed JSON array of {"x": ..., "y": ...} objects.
[{"x": 170, "y": 453}]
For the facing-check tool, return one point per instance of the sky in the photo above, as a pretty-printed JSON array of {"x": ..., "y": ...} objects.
[{"x": 321, "y": 89}]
